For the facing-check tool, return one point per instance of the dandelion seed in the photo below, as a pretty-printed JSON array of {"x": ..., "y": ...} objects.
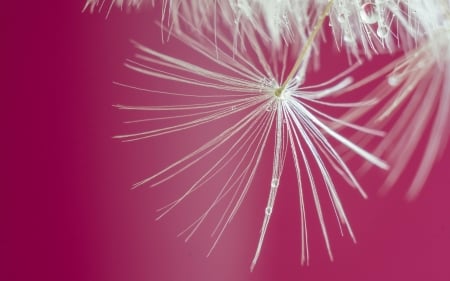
[
  {"x": 249, "y": 44},
  {"x": 270, "y": 103}
]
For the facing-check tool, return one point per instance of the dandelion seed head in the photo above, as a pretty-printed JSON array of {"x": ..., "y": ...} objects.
[{"x": 283, "y": 93}]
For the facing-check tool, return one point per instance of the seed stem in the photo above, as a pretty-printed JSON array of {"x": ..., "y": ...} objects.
[{"x": 305, "y": 48}]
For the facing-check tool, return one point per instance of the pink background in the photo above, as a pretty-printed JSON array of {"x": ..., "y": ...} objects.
[{"x": 66, "y": 209}]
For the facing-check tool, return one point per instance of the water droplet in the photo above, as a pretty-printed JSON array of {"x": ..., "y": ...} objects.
[
  {"x": 299, "y": 79},
  {"x": 368, "y": 13},
  {"x": 393, "y": 80},
  {"x": 233, "y": 107},
  {"x": 268, "y": 211},
  {"x": 421, "y": 64},
  {"x": 273, "y": 83},
  {"x": 446, "y": 23},
  {"x": 348, "y": 37},
  {"x": 285, "y": 19},
  {"x": 341, "y": 18},
  {"x": 393, "y": 6},
  {"x": 275, "y": 182},
  {"x": 382, "y": 30},
  {"x": 269, "y": 107},
  {"x": 265, "y": 83}
]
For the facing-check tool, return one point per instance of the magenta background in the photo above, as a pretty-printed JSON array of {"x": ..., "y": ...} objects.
[{"x": 67, "y": 212}]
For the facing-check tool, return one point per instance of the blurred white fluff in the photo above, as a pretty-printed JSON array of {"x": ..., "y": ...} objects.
[
  {"x": 361, "y": 27},
  {"x": 415, "y": 111}
]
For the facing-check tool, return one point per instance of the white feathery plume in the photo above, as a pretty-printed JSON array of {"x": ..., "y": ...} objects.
[
  {"x": 414, "y": 106},
  {"x": 270, "y": 103}
]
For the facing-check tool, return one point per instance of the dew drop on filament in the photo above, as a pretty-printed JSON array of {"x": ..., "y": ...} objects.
[
  {"x": 382, "y": 30},
  {"x": 393, "y": 80},
  {"x": 368, "y": 13},
  {"x": 348, "y": 37},
  {"x": 268, "y": 211},
  {"x": 274, "y": 183}
]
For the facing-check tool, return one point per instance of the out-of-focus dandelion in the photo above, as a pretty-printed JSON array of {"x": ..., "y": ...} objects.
[
  {"x": 362, "y": 28},
  {"x": 415, "y": 105},
  {"x": 420, "y": 96}
]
